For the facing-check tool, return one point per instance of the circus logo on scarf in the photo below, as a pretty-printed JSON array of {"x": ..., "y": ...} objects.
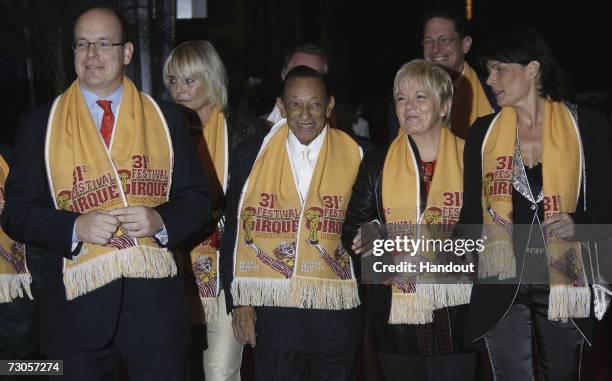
[
  {"x": 267, "y": 221},
  {"x": 63, "y": 200},
  {"x": 433, "y": 216},
  {"x": 339, "y": 261},
  {"x": 326, "y": 221},
  {"x": 248, "y": 224},
  {"x": 142, "y": 181},
  {"x": 16, "y": 256},
  {"x": 120, "y": 240},
  {"x": 569, "y": 266},
  {"x": 283, "y": 258},
  {"x": 440, "y": 220},
  {"x": 206, "y": 276},
  {"x": 404, "y": 283},
  {"x": 124, "y": 177},
  {"x": 491, "y": 191},
  {"x": 433, "y": 219},
  {"x": 497, "y": 185},
  {"x": 89, "y": 193},
  {"x": 313, "y": 223},
  {"x": 446, "y": 215}
]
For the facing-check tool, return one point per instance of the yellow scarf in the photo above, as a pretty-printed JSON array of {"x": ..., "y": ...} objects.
[
  {"x": 205, "y": 256},
  {"x": 288, "y": 254},
  {"x": 414, "y": 300},
  {"x": 561, "y": 177},
  {"x": 14, "y": 276},
  {"x": 84, "y": 175},
  {"x": 469, "y": 102}
]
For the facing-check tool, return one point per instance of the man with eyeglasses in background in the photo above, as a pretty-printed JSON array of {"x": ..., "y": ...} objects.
[
  {"x": 108, "y": 182},
  {"x": 446, "y": 41}
]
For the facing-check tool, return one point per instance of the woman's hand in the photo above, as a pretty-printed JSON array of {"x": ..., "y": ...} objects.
[{"x": 560, "y": 225}]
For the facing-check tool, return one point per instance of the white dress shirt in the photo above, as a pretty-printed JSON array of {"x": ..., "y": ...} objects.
[{"x": 303, "y": 160}]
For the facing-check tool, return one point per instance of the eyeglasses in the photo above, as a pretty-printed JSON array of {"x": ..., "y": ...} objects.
[
  {"x": 442, "y": 42},
  {"x": 102, "y": 45}
]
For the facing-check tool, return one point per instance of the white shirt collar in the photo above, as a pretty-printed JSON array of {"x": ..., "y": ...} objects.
[
  {"x": 275, "y": 115},
  {"x": 295, "y": 147},
  {"x": 91, "y": 98},
  {"x": 302, "y": 169}
]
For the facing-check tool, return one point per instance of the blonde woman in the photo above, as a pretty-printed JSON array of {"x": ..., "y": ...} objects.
[
  {"x": 196, "y": 78},
  {"x": 407, "y": 184}
]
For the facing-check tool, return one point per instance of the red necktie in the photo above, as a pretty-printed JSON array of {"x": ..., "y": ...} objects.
[{"x": 108, "y": 121}]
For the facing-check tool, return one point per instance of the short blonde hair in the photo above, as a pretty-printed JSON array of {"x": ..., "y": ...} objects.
[
  {"x": 433, "y": 77},
  {"x": 199, "y": 60}
]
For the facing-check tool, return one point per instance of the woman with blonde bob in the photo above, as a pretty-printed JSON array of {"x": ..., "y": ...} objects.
[
  {"x": 196, "y": 78},
  {"x": 414, "y": 188}
]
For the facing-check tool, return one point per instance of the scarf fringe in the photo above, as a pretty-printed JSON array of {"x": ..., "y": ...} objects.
[
  {"x": 566, "y": 302},
  {"x": 418, "y": 308},
  {"x": 497, "y": 261},
  {"x": 134, "y": 262},
  {"x": 445, "y": 295},
  {"x": 203, "y": 310},
  {"x": 410, "y": 309},
  {"x": 211, "y": 309},
  {"x": 13, "y": 286},
  {"x": 325, "y": 294},
  {"x": 296, "y": 293},
  {"x": 261, "y": 292}
]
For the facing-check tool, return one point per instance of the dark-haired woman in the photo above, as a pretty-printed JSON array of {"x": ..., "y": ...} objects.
[{"x": 526, "y": 172}]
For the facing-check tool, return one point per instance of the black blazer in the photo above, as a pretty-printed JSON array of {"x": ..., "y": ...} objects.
[
  {"x": 89, "y": 321},
  {"x": 490, "y": 302},
  {"x": 366, "y": 206},
  {"x": 307, "y": 330}
]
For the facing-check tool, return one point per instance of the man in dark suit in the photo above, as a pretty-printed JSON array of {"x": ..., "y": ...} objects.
[
  {"x": 446, "y": 42},
  {"x": 140, "y": 321},
  {"x": 310, "y": 343}
]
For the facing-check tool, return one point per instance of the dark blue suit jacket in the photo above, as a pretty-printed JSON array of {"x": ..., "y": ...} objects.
[{"x": 89, "y": 321}]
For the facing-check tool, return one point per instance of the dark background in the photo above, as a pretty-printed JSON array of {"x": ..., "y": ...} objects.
[{"x": 366, "y": 42}]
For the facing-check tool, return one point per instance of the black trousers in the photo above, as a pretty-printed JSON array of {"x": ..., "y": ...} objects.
[
  {"x": 159, "y": 363},
  {"x": 437, "y": 367},
  {"x": 559, "y": 344},
  {"x": 456, "y": 367},
  {"x": 274, "y": 364},
  {"x": 144, "y": 362}
]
